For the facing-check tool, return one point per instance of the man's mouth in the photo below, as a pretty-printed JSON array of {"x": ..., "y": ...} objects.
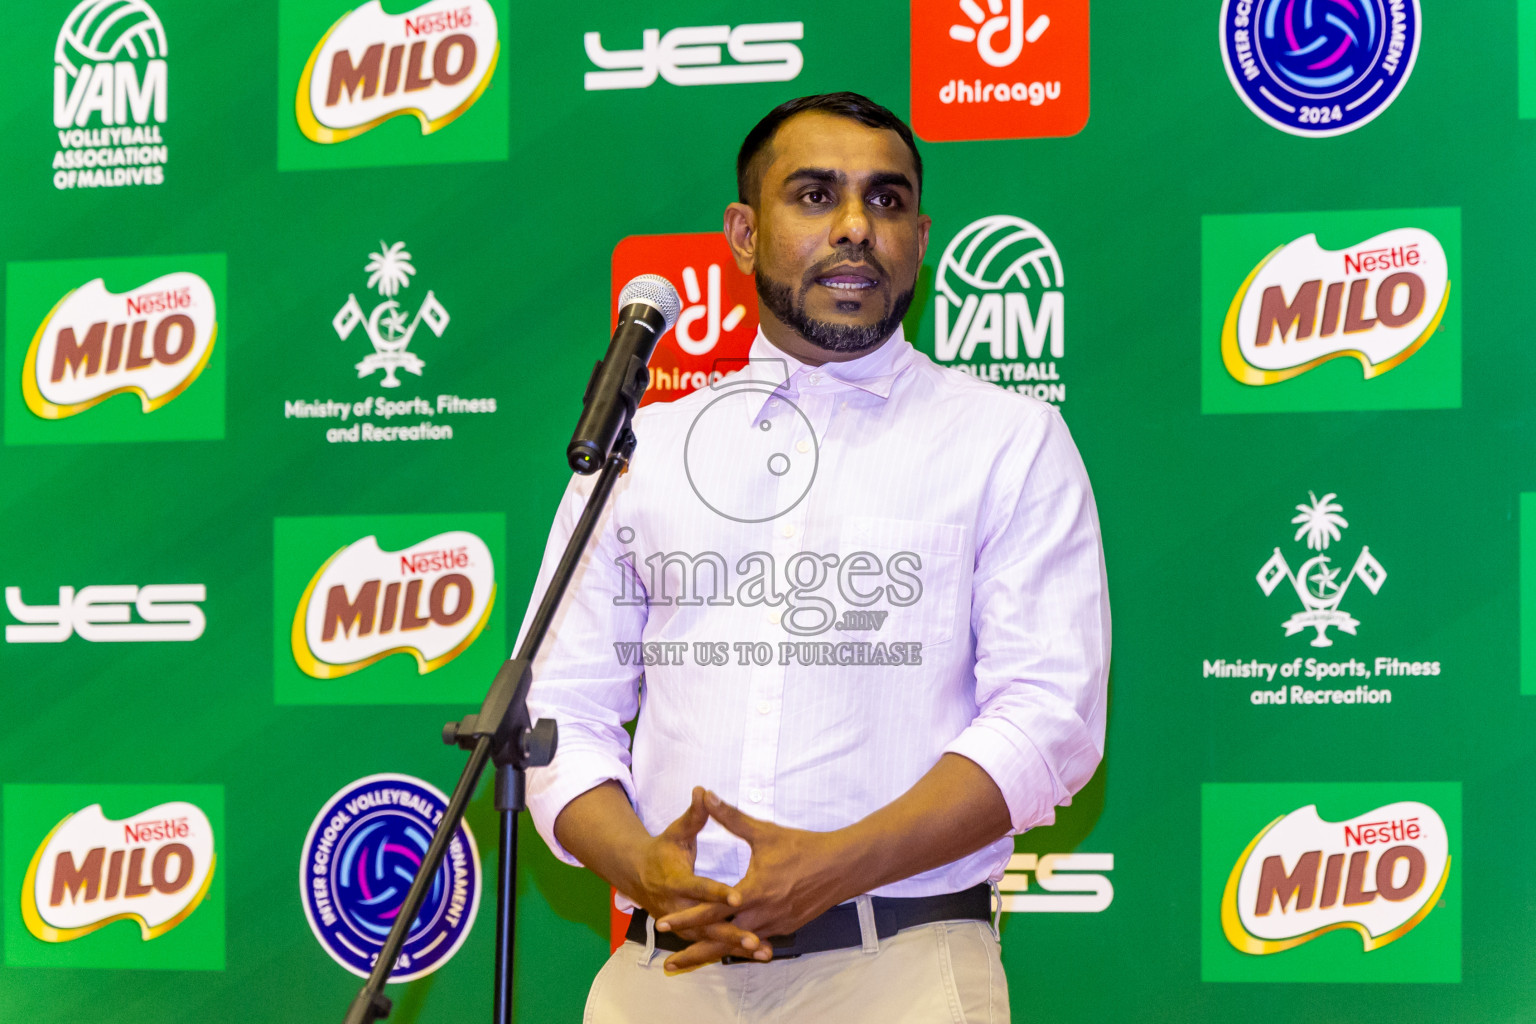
[{"x": 849, "y": 279}]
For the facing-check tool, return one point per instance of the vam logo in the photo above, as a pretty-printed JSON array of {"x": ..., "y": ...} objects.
[
  {"x": 104, "y": 614},
  {"x": 1319, "y": 68},
  {"x": 1316, "y": 581},
  {"x": 430, "y": 601},
  {"x": 719, "y": 319},
  {"x": 153, "y": 868},
  {"x": 110, "y": 96},
  {"x": 433, "y": 62},
  {"x": 1303, "y": 305},
  {"x": 1379, "y": 874},
  {"x": 1070, "y": 883},
  {"x": 152, "y": 341},
  {"x": 999, "y": 69},
  {"x": 691, "y": 56},
  {"x": 999, "y": 311}
]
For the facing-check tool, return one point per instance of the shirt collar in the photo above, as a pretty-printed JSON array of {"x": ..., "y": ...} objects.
[{"x": 874, "y": 373}]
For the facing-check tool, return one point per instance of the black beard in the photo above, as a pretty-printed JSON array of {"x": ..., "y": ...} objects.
[{"x": 789, "y": 307}]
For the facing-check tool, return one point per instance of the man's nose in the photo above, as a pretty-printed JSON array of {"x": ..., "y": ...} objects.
[{"x": 851, "y": 226}]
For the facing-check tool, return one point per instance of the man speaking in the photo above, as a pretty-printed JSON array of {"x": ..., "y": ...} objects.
[{"x": 855, "y": 604}]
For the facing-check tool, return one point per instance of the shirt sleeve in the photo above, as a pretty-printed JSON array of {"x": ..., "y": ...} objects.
[
  {"x": 579, "y": 679},
  {"x": 1040, "y": 614}
]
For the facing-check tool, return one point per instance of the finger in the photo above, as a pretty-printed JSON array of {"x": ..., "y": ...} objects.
[
  {"x": 696, "y": 916},
  {"x": 707, "y": 952},
  {"x": 735, "y": 822},
  {"x": 705, "y": 890},
  {"x": 693, "y": 819}
]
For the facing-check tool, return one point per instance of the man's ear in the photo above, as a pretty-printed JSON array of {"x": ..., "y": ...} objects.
[
  {"x": 924, "y": 222},
  {"x": 741, "y": 235}
]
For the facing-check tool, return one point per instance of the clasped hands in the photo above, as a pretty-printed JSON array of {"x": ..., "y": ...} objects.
[{"x": 793, "y": 876}]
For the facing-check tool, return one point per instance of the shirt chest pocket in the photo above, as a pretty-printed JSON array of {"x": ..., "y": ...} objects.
[{"x": 899, "y": 580}]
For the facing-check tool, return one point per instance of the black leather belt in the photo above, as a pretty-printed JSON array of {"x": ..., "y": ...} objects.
[{"x": 838, "y": 928}]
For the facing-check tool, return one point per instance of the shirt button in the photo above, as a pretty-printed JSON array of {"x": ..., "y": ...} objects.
[
  {"x": 788, "y": 530},
  {"x": 774, "y": 616},
  {"x": 763, "y": 707},
  {"x": 773, "y": 403},
  {"x": 757, "y": 796},
  {"x": 803, "y": 446},
  {"x": 815, "y": 378}
]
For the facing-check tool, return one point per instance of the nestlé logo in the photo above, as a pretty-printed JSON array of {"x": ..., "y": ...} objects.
[
  {"x": 152, "y": 341},
  {"x": 430, "y": 600},
  {"x": 153, "y": 868}
]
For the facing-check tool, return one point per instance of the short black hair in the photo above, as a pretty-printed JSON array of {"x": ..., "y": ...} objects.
[{"x": 841, "y": 104}]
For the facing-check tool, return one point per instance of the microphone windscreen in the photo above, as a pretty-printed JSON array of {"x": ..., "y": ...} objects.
[{"x": 657, "y": 292}]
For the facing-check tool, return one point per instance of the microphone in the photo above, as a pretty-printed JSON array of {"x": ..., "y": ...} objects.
[{"x": 648, "y": 307}]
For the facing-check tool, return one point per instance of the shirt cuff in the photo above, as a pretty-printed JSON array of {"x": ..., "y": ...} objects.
[
  {"x": 574, "y": 771},
  {"x": 1015, "y": 765}
]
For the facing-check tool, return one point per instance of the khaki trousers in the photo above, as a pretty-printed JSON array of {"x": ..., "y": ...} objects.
[{"x": 948, "y": 972}]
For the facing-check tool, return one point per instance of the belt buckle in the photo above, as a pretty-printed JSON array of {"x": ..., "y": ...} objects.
[{"x": 774, "y": 940}]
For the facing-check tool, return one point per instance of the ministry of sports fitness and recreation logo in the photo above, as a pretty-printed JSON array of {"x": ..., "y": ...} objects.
[
  {"x": 764, "y": 52},
  {"x": 138, "y": 864},
  {"x": 999, "y": 69},
  {"x": 1312, "y": 312},
  {"x": 362, "y": 852},
  {"x": 714, "y": 332},
  {"x": 1316, "y": 580},
  {"x": 110, "y": 96},
  {"x": 398, "y": 79},
  {"x": 80, "y": 333},
  {"x": 1370, "y": 864},
  {"x": 393, "y": 600},
  {"x": 390, "y": 327},
  {"x": 1319, "y": 67},
  {"x": 999, "y": 309}
]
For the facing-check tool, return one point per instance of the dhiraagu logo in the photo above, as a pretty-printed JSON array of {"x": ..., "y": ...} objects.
[
  {"x": 391, "y": 83},
  {"x": 387, "y": 609},
  {"x": 1340, "y": 882},
  {"x": 114, "y": 876},
  {"x": 115, "y": 350},
  {"x": 1331, "y": 311}
]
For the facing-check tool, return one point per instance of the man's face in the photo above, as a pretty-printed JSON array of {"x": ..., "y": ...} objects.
[{"x": 838, "y": 238}]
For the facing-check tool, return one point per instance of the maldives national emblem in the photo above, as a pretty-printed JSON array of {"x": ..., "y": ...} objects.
[
  {"x": 390, "y": 270},
  {"x": 1316, "y": 582}
]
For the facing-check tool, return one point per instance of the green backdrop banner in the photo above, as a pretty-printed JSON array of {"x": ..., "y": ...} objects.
[{"x": 299, "y": 301}]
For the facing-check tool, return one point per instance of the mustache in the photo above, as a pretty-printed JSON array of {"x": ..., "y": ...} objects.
[{"x": 844, "y": 254}]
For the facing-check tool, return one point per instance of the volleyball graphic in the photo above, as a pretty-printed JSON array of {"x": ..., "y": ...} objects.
[
  {"x": 107, "y": 30},
  {"x": 990, "y": 253}
]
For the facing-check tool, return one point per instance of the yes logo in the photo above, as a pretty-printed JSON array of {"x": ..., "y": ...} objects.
[
  {"x": 1361, "y": 874},
  {"x": 103, "y": 614},
  {"x": 691, "y": 56},
  {"x": 399, "y": 79},
  {"x": 999, "y": 69},
  {"x": 110, "y": 95},
  {"x": 999, "y": 310},
  {"x": 134, "y": 344},
  {"x": 1070, "y": 883},
  {"x": 420, "y": 587},
  {"x": 1315, "y": 312},
  {"x": 84, "y": 858},
  {"x": 719, "y": 319}
]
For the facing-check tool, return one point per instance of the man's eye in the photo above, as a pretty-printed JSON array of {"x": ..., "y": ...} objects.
[
  {"x": 885, "y": 200},
  {"x": 816, "y": 196}
]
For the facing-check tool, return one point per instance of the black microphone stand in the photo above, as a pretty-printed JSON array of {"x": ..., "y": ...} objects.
[{"x": 501, "y": 734}]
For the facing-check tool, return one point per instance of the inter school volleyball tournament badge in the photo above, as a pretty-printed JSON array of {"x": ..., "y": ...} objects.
[
  {"x": 1319, "y": 67},
  {"x": 360, "y": 857}
]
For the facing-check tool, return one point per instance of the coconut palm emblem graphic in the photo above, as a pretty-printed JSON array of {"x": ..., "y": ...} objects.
[
  {"x": 1319, "y": 523},
  {"x": 390, "y": 270}
]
